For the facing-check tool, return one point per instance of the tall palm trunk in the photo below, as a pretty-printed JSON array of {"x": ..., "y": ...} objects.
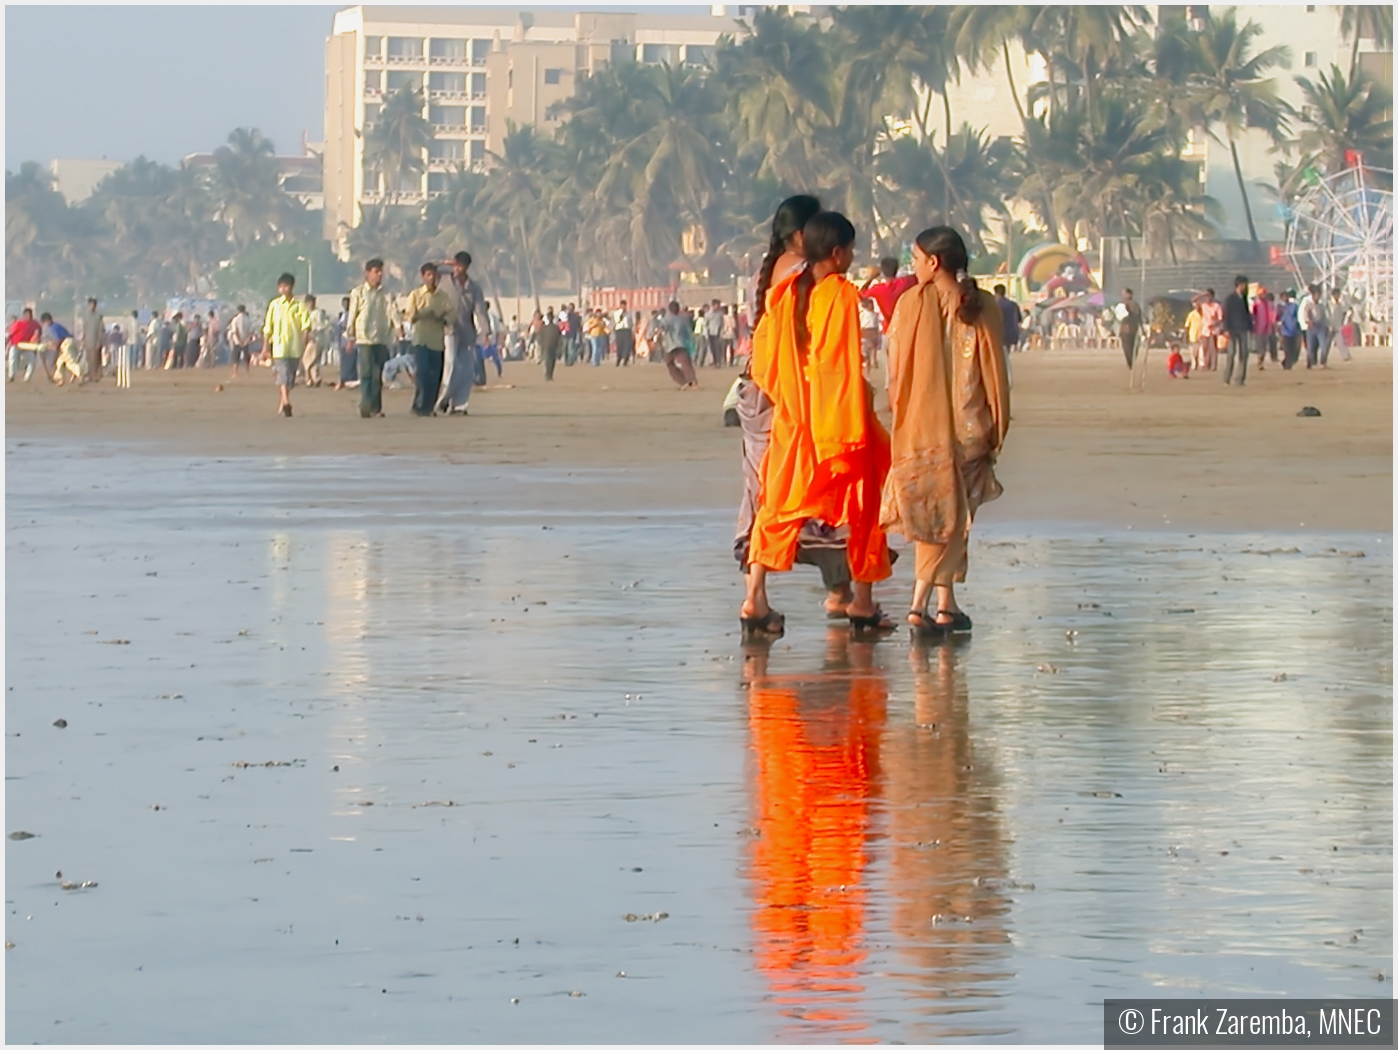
[
  {"x": 1242, "y": 188},
  {"x": 946, "y": 180},
  {"x": 1049, "y": 216},
  {"x": 529, "y": 264}
]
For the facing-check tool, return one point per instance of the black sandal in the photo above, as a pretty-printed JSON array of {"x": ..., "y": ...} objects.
[
  {"x": 926, "y": 626},
  {"x": 760, "y": 628},
  {"x": 879, "y": 623},
  {"x": 959, "y": 623}
]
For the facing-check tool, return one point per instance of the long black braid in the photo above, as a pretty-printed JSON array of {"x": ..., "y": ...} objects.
[
  {"x": 792, "y": 215},
  {"x": 825, "y": 232}
]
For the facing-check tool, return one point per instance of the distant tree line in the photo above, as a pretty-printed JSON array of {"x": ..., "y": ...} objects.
[{"x": 658, "y": 167}]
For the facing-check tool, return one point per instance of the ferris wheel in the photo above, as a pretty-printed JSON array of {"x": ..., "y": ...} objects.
[{"x": 1341, "y": 235}]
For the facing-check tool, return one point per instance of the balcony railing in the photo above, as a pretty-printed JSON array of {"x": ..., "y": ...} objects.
[
  {"x": 450, "y": 61},
  {"x": 477, "y": 96},
  {"x": 373, "y": 93},
  {"x": 373, "y": 61},
  {"x": 400, "y": 197},
  {"x": 449, "y": 129},
  {"x": 443, "y": 93},
  {"x": 405, "y": 60}
]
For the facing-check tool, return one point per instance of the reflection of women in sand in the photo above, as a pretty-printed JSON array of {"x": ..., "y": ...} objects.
[
  {"x": 947, "y": 865},
  {"x": 816, "y": 744}
]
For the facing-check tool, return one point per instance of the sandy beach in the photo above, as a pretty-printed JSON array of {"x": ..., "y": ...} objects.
[{"x": 1184, "y": 454}]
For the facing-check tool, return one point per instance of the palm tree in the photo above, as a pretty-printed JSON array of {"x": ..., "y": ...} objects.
[
  {"x": 395, "y": 145},
  {"x": 782, "y": 94},
  {"x": 1346, "y": 115},
  {"x": 1232, "y": 91},
  {"x": 518, "y": 191},
  {"x": 981, "y": 34},
  {"x": 247, "y": 187},
  {"x": 913, "y": 192},
  {"x": 1365, "y": 22},
  {"x": 671, "y": 168},
  {"x": 36, "y": 225}
]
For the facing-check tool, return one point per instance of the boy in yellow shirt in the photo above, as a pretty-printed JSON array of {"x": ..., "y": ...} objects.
[{"x": 284, "y": 334}]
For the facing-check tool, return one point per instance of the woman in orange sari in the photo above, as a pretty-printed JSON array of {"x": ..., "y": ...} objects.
[
  {"x": 950, "y": 399},
  {"x": 828, "y": 453}
]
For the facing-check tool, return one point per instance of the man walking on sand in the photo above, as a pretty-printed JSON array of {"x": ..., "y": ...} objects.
[
  {"x": 430, "y": 311},
  {"x": 1237, "y": 319},
  {"x": 240, "y": 336},
  {"x": 470, "y": 328},
  {"x": 284, "y": 332},
  {"x": 548, "y": 338},
  {"x": 368, "y": 331},
  {"x": 91, "y": 336}
]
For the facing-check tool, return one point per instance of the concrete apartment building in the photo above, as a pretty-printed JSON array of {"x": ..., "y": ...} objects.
[{"x": 481, "y": 68}]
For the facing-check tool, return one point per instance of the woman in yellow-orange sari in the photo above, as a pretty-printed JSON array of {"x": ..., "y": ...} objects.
[{"x": 828, "y": 453}]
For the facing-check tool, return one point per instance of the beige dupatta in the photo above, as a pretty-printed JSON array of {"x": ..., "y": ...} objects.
[{"x": 950, "y": 399}]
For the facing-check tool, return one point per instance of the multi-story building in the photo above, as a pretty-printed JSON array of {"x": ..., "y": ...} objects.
[
  {"x": 480, "y": 69},
  {"x": 77, "y": 177}
]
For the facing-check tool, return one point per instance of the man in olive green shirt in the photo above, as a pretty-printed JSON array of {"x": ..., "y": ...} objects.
[
  {"x": 369, "y": 330},
  {"x": 430, "y": 309}
]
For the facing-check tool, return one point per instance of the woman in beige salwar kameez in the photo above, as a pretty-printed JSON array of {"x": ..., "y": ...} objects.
[{"x": 950, "y": 398}]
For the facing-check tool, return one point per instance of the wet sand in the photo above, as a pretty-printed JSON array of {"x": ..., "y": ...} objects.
[
  {"x": 526, "y": 786},
  {"x": 440, "y": 730},
  {"x": 1186, "y": 453}
]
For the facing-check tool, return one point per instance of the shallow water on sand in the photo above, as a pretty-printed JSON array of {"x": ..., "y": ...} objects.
[{"x": 527, "y": 786}]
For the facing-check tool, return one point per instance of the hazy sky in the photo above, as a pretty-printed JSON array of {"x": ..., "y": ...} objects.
[{"x": 118, "y": 82}]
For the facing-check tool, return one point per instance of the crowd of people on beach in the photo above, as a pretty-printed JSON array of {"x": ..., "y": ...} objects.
[{"x": 1252, "y": 320}]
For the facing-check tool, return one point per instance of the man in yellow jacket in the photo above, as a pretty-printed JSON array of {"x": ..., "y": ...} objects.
[{"x": 284, "y": 333}]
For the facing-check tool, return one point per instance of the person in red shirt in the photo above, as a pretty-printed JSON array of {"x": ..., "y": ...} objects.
[
  {"x": 22, "y": 344},
  {"x": 886, "y": 291}
]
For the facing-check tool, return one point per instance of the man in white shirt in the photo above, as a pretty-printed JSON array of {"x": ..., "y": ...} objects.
[
  {"x": 623, "y": 335},
  {"x": 315, "y": 345},
  {"x": 240, "y": 335}
]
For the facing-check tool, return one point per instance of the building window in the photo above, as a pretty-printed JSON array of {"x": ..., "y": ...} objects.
[
  {"x": 477, "y": 151},
  {"x": 477, "y": 118},
  {"x": 1310, "y": 9},
  {"x": 553, "y": 76},
  {"x": 655, "y": 54},
  {"x": 1312, "y": 59},
  {"x": 398, "y": 80},
  {"x": 479, "y": 49},
  {"x": 371, "y": 113},
  {"x": 446, "y": 149},
  {"x": 373, "y": 80},
  {"x": 698, "y": 55},
  {"x": 373, "y": 47},
  {"x": 405, "y": 48},
  {"x": 448, "y": 50},
  {"x": 450, "y": 83},
  {"x": 437, "y": 181},
  {"x": 478, "y": 85},
  {"x": 447, "y": 116}
]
